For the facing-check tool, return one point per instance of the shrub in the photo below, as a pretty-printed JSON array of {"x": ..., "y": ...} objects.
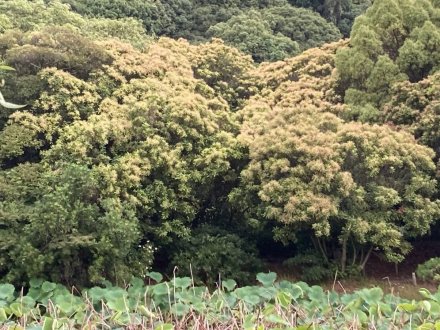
[
  {"x": 214, "y": 253},
  {"x": 429, "y": 270},
  {"x": 311, "y": 266}
]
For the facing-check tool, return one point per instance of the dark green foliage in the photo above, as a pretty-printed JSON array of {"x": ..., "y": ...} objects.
[
  {"x": 158, "y": 17},
  {"x": 301, "y": 25},
  {"x": 276, "y": 32},
  {"x": 58, "y": 47},
  {"x": 216, "y": 254},
  {"x": 252, "y": 34},
  {"x": 340, "y": 12},
  {"x": 429, "y": 270},
  {"x": 311, "y": 266},
  {"x": 66, "y": 232}
]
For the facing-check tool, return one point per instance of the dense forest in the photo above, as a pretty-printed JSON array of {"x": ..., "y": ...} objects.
[{"x": 140, "y": 135}]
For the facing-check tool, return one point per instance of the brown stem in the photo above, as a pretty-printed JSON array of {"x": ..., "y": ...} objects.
[
  {"x": 324, "y": 254},
  {"x": 364, "y": 262},
  {"x": 344, "y": 255}
]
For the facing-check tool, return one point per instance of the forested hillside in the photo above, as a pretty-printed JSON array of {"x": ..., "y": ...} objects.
[{"x": 155, "y": 134}]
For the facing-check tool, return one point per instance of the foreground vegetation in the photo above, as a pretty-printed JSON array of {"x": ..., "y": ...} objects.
[
  {"x": 178, "y": 304},
  {"x": 121, "y": 151}
]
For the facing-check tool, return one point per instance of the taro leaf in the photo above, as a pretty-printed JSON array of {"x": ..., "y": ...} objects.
[
  {"x": 316, "y": 294},
  {"x": 3, "y": 316},
  {"x": 155, "y": 276},
  {"x": 284, "y": 298},
  {"x": 435, "y": 309},
  {"x": 96, "y": 294},
  {"x": 199, "y": 291},
  {"x": 230, "y": 300},
  {"x": 242, "y": 292},
  {"x": 426, "y": 294},
  {"x": 199, "y": 307},
  {"x": 267, "y": 279},
  {"x": 7, "y": 291},
  {"x": 249, "y": 322},
  {"x": 118, "y": 304},
  {"x": 49, "y": 323},
  {"x": 385, "y": 309},
  {"x": 16, "y": 309},
  {"x": 137, "y": 282},
  {"x": 180, "y": 309},
  {"x": 252, "y": 300},
  {"x": 408, "y": 308},
  {"x": 356, "y": 314},
  {"x": 182, "y": 282},
  {"x": 34, "y": 293},
  {"x": 27, "y": 301},
  {"x": 426, "y": 326},
  {"x": 268, "y": 293},
  {"x": 35, "y": 282},
  {"x": 371, "y": 296},
  {"x": 347, "y": 299},
  {"x": 273, "y": 318},
  {"x": 68, "y": 304},
  {"x": 229, "y": 285},
  {"x": 165, "y": 326},
  {"x": 115, "y": 293},
  {"x": 160, "y": 289},
  {"x": 426, "y": 305},
  {"x": 333, "y": 298},
  {"x": 305, "y": 327},
  {"x": 48, "y": 286}
]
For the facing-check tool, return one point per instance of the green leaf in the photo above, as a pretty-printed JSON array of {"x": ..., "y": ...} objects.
[
  {"x": 229, "y": 285},
  {"x": 17, "y": 309},
  {"x": 276, "y": 319},
  {"x": 426, "y": 326},
  {"x": 35, "y": 282},
  {"x": 48, "y": 286},
  {"x": 182, "y": 282},
  {"x": 27, "y": 301},
  {"x": 7, "y": 291},
  {"x": 406, "y": 307},
  {"x": 371, "y": 296},
  {"x": 284, "y": 299},
  {"x": 317, "y": 294},
  {"x": 96, "y": 293},
  {"x": 161, "y": 289},
  {"x": 267, "y": 279},
  {"x": 155, "y": 276},
  {"x": 49, "y": 323},
  {"x": 165, "y": 326},
  {"x": 180, "y": 309},
  {"x": 118, "y": 305},
  {"x": 3, "y": 316},
  {"x": 426, "y": 294}
]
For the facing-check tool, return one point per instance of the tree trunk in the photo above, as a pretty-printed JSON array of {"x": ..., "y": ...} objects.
[
  {"x": 364, "y": 261},
  {"x": 344, "y": 255}
]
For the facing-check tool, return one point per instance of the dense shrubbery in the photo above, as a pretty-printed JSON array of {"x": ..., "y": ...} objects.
[
  {"x": 212, "y": 254},
  {"x": 130, "y": 145},
  {"x": 429, "y": 270}
]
